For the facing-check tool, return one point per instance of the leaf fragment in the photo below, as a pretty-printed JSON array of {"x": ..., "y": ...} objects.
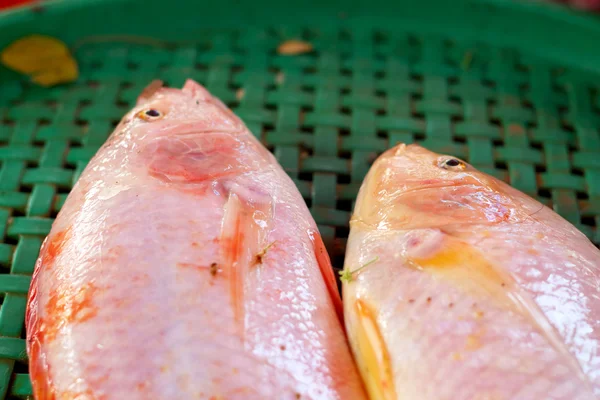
[{"x": 45, "y": 59}]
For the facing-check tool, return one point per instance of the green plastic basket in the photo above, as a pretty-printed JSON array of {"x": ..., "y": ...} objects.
[{"x": 512, "y": 87}]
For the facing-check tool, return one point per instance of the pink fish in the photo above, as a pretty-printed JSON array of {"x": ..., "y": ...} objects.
[
  {"x": 459, "y": 287},
  {"x": 185, "y": 265}
]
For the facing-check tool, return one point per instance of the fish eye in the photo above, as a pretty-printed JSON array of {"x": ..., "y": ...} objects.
[
  {"x": 453, "y": 164},
  {"x": 150, "y": 114}
]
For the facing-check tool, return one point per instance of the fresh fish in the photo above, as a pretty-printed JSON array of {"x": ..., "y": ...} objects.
[
  {"x": 459, "y": 287},
  {"x": 185, "y": 265}
]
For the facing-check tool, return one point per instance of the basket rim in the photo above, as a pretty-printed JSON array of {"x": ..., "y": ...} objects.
[{"x": 549, "y": 31}]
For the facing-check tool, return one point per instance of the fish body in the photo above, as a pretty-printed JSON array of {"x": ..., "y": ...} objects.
[
  {"x": 459, "y": 287},
  {"x": 184, "y": 264}
]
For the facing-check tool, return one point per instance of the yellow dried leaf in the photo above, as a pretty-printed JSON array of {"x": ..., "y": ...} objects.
[
  {"x": 294, "y": 47},
  {"x": 47, "y": 60}
]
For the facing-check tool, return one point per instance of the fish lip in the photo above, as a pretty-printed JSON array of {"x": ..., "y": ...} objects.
[
  {"x": 426, "y": 187},
  {"x": 205, "y": 132},
  {"x": 188, "y": 133},
  {"x": 466, "y": 180},
  {"x": 480, "y": 188}
]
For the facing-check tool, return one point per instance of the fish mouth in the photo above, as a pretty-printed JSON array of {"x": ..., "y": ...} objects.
[
  {"x": 187, "y": 127},
  {"x": 193, "y": 132},
  {"x": 456, "y": 193},
  {"x": 435, "y": 186},
  {"x": 466, "y": 180},
  {"x": 425, "y": 188}
]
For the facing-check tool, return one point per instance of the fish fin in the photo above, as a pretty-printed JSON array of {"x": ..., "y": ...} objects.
[
  {"x": 233, "y": 246},
  {"x": 241, "y": 240},
  {"x": 466, "y": 267},
  {"x": 149, "y": 91},
  {"x": 327, "y": 272},
  {"x": 372, "y": 356}
]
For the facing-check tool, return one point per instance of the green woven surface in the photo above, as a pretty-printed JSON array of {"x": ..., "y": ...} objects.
[{"x": 325, "y": 115}]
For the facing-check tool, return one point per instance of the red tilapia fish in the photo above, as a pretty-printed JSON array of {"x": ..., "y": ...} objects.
[
  {"x": 185, "y": 265},
  {"x": 459, "y": 287}
]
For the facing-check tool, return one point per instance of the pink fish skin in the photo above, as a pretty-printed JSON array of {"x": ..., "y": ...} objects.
[
  {"x": 185, "y": 265},
  {"x": 459, "y": 287}
]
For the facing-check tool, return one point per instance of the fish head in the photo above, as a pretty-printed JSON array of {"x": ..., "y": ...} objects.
[
  {"x": 188, "y": 136},
  {"x": 410, "y": 187},
  {"x": 165, "y": 111}
]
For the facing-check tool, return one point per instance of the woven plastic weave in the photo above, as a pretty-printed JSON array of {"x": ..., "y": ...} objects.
[{"x": 326, "y": 115}]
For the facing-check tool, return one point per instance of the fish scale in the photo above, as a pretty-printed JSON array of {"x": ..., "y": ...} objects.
[
  {"x": 477, "y": 291},
  {"x": 193, "y": 274},
  {"x": 557, "y": 99}
]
